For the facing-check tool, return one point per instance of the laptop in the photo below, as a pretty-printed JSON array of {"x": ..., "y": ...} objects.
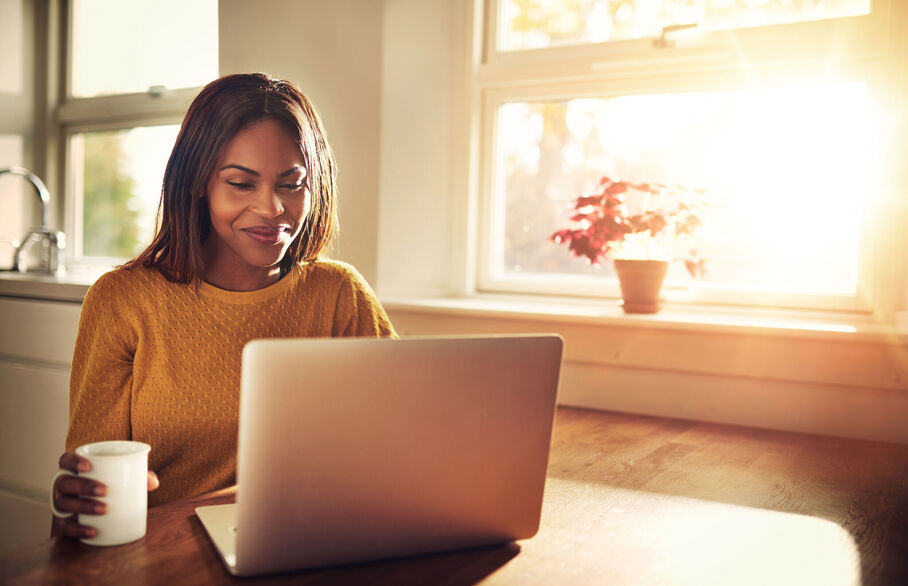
[{"x": 359, "y": 449}]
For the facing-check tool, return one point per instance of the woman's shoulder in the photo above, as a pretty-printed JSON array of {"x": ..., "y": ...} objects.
[
  {"x": 331, "y": 271},
  {"x": 126, "y": 283}
]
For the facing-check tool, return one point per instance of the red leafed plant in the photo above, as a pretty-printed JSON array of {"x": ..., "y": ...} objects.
[{"x": 644, "y": 221}]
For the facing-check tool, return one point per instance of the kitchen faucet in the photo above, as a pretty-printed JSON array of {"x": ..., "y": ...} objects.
[{"x": 50, "y": 245}]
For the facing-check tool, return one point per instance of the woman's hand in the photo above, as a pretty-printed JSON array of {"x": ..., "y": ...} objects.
[{"x": 72, "y": 494}]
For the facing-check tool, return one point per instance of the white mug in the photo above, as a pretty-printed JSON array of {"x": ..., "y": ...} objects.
[{"x": 123, "y": 467}]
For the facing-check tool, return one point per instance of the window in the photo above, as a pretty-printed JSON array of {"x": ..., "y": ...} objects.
[
  {"x": 127, "y": 89},
  {"x": 775, "y": 108}
]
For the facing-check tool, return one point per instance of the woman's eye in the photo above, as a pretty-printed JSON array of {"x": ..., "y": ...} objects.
[
  {"x": 292, "y": 186},
  {"x": 240, "y": 185}
]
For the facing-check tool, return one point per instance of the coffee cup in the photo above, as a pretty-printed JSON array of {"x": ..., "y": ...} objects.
[{"x": 123, "y": 467}]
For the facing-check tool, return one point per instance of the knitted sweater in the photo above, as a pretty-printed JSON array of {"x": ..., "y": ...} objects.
[{"x": 159, "y": 362}]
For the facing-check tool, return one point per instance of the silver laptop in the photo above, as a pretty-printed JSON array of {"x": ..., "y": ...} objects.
[{"x": 361, "y": 449}]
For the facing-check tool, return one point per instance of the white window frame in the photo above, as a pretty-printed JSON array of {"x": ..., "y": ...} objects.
[
  {"x": 100, "y": 113},
  {"x": 704, "y": 61}
]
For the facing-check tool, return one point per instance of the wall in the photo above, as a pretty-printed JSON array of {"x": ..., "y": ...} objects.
[
  {"x": 418, "y": 218},
  {"x": 332, "y": 50}
]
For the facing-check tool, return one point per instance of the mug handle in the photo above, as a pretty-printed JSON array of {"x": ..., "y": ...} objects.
[{"x": 58, "y": 513}]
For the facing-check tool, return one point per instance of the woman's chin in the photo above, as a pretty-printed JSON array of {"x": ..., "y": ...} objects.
[{"x": 266, "y": 259}]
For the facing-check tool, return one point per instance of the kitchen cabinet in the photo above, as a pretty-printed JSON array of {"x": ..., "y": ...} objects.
[{"x": 36, "y": 345}]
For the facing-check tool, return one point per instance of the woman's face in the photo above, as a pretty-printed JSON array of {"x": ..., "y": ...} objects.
[{"x": 258, "y": 200}]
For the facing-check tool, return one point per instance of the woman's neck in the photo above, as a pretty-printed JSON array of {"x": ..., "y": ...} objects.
[
  {"x": 237, "y": 281},
  {"x": 233, "y": 276}
]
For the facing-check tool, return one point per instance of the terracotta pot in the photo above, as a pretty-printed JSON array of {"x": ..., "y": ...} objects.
[{"x": 641, "y": 284}]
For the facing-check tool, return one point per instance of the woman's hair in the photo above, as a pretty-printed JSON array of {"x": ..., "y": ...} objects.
[{"x": 223, "y": 108}]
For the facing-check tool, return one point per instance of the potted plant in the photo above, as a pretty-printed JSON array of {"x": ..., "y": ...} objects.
[{"x": 642, "y": 227}]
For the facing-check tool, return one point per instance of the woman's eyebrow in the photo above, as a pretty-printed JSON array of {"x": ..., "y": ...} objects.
[
  {"x": 293, "y": 170},
  {"x": 241, "y": 168},
  {"x": 290, "y": 171}
]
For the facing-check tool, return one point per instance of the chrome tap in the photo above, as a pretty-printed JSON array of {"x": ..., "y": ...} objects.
[{"x": 50, "y": 244}]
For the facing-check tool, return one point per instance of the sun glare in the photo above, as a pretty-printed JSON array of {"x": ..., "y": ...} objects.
[{"x": 788, "y": 170}]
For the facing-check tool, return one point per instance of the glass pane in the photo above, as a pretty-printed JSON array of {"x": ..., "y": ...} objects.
[
  {"x": 124, "y": 47},
  {"x": 119, "y": 176},
  {"x": 532, "y": 24},
  {"x": 12, "y": 56},
  {"x": 19, "y": 204},
  {"x": 781, "y": 166}
]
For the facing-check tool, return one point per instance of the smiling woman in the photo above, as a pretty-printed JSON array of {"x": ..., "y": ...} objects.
[
  {"x": 243, "y": 141},
  {"x": 249, "y": 203}
]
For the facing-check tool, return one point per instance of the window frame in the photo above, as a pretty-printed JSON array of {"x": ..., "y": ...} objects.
[
  {"x": 586, "y": 71},
  {"x": 76, "y": 115}
]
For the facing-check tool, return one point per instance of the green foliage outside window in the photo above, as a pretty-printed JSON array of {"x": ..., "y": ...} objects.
[{"x": 110, "y": 218}]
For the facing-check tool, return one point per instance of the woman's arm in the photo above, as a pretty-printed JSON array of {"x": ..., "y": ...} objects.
[
  {"x": 99, "y": 400},
  {"x": 101, "y": 376}
]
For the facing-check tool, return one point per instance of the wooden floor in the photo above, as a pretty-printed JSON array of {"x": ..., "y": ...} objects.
[{"x": 860, "y": 486}]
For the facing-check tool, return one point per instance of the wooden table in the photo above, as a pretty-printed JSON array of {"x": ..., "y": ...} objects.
[{"x": 629, "y": 500}]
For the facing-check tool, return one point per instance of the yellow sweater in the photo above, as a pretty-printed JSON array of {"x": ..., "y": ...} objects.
[{"x": 158, "y": 362}]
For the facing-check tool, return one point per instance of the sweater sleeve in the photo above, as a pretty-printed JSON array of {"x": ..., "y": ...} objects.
[
  {"x": 101, "y": 376},
  {"x": 358, "y": 311}
]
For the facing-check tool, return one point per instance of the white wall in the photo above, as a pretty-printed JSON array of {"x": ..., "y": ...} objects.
[
  {"x": 332, "y": 50},
  {"x": 418, "y": 147}
]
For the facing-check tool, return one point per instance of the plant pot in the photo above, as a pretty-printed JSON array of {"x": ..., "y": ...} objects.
[{"x": 641, "y": 284}]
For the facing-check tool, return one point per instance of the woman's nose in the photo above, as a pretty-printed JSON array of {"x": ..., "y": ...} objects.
[{"x": 268, "y": 203}]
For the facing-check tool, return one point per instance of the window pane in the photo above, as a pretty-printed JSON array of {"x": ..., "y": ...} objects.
[
  {"x": 12, "y": 56},
  {"x": 20, "y": 209},
  {"x": 119, "y": 176},
  {"x": 530, "y": 24},
  {"x": 785, "y": 168},
  {"x": 124, "y": 47}
]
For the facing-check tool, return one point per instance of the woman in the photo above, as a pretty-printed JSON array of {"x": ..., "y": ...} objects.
[{"x": 248, "y": 203}]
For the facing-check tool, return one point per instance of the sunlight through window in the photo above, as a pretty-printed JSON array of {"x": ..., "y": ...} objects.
[
  {"x": 785, "y": 168},
  {"x": 533, "y": 24},
  {"x": 125, "y": 47},
  {"x": 119, "y": 175}
]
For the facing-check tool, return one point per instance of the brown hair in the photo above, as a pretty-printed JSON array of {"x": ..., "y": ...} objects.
[{"x": 223, "y": 108}]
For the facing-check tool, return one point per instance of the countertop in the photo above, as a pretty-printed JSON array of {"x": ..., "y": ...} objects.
[{"x": 69, "y": 285}]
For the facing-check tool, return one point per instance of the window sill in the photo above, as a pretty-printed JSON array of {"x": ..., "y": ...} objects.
[{"x": 814, "y": 325}]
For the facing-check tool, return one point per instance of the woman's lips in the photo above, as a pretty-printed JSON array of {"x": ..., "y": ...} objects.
[{"x": 267, "y": 234}]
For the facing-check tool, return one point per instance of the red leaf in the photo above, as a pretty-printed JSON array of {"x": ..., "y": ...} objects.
[
  {"x": 616, "y": 188},
  {"x": 584, "y": 201}
]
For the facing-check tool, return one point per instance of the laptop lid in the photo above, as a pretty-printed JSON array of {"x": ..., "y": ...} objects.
[{"x": 361, "y": 449}]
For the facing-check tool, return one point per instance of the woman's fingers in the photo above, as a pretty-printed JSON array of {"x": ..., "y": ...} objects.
[
  {"x": 80, "y": 505},
  {"x": 78, "y": 486},
  {"x": 71, "y": 495},
  {"x": 74, "y": 463},
  {"x": 153, "y": 481},
  {"x": 72, "y": 528}
]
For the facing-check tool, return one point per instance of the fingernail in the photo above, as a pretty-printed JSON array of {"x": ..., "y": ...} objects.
[
  {"x": 100, "y": 490},
  {"x": 99, "y": 509},
  {"x": 89, "y": 532},
  {"x": 83, "y": 467}
]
